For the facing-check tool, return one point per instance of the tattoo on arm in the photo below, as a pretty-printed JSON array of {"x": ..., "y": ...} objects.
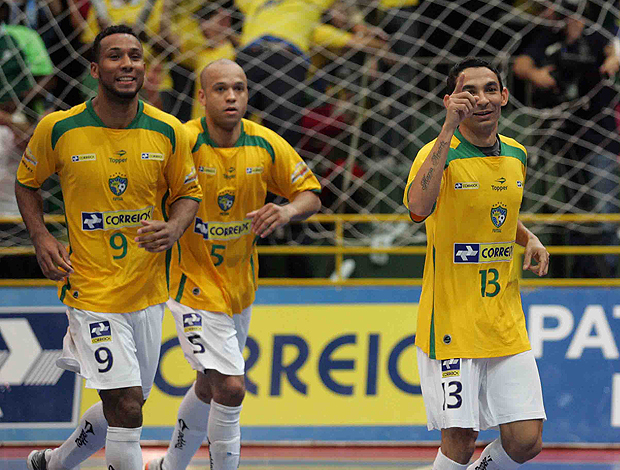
[
  {"x": 435, "y": 157},
  {"x": 426, "y": 179}
]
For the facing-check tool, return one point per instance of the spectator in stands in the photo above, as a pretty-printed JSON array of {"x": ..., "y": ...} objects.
[
  {"x": 59, "y": 23},
  {"x": 570, "y": 67},
  {"x": 25, "y": 70},
  {"x": 203, "y": 33},
  {"x": 275, "y": 43},
  {"x": 399, "y": 19}
]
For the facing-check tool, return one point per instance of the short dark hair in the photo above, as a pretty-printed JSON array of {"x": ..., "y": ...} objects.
[
  {"x": 467, "y": 63},
  {"x": 110, "y": 30}
]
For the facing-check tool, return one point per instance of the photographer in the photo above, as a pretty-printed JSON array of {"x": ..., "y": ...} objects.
[{"x": 570, "y": 68}]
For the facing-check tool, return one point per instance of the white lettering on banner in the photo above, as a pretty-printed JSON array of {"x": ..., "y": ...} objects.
[
  {"x": 24, "y": 349},
  {"x": 615, "y": 401},
  {"x": 536, "y": 325},
  {"x": 593, "y": 318}
]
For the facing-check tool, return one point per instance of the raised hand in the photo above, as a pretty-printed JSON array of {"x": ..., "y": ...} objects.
[{"x": 460, "y": 104}]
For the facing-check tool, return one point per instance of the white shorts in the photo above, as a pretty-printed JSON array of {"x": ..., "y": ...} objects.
[
  {"x": 114, "y": 350},
  {"x": 480, "y": 393},
  {"x": 212, "y": 340}
]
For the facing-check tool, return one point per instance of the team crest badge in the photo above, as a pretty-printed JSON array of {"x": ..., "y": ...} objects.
[
  {"x": 498, "y": 215},
  {"x": 226, "y": 200},
  {"x": 118, "y": 184}
]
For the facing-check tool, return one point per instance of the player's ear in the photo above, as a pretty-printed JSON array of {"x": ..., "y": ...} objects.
[
  {"x": 202, "y": 97},
  {"x": 94, "y": 70},
  {"x": 446, "y": 101},
  {"x": 505, "y": 95}
]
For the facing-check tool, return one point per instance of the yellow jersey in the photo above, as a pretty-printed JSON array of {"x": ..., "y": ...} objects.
[
  {"x": 470, "y": 306},
  {"x": 123, "y": 12},
  {"x": 111, "y": 180},
  {"x": 290, "y": 20},
  {"x": 215, "y": 265},
  {"x": 384, "y": 4}
]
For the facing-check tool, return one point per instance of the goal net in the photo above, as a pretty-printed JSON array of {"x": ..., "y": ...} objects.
[{"x": 366, "y": 112}]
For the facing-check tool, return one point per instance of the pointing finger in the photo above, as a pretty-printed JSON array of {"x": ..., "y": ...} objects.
[{"x": 459, "y": 83}]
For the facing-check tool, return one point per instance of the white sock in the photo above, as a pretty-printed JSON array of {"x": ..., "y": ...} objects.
[
  {"x": 87, "y": 439},
  {"x": 224, "y": 436},
  {"x": 494, "y": 457},
  {"x": 189, "y": 432},
  {"x": 444, "y": 463},
  {"x": 122, "y": 449}
]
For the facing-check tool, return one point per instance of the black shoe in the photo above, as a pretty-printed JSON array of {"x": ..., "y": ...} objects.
[{"x": 36, "y": 460}]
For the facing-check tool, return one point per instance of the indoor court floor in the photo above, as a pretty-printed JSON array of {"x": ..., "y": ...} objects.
[{"x": 345, "y": 458}]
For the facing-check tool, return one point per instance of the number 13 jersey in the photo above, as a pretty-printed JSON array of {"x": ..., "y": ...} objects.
[{"x": 470, "y": 306}]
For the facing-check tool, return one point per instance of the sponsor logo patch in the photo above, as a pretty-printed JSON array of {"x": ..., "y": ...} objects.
[
  {"x": 115, "y": 219},
  {"x": 158, "y": 157},
  {"x": 191, "y": 176},
  {"x": 207, "y": 170},
  {"x": 469, "y": 185},
  {"x": 100, "y": 332},
  {"x": 192, "y": 322},
  {"x": 450, "y": 368},
  {"x": 254, "y": 170},
  {"x": 519, "y": 184},
  {"x": 473, "y": 253},
  {"x": 87, "y": 157},
  {"x": 301, "y": 169},
  {"x": 29, "y": 157},
  {"x": 222, "y": 230}
]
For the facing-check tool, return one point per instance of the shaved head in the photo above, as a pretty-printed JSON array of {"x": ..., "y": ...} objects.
[{"x": 217, "y": 68}]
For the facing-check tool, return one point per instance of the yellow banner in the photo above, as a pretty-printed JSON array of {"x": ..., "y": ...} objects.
[{"x": 319, "y": 365}]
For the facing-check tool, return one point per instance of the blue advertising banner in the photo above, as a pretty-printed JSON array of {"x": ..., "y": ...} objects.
[
  {"x": 33, "y": 391},
  {"x": 316, "y": 357}
]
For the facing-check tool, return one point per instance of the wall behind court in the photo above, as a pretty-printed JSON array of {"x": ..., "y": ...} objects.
[{"x": 324, "y": 364}]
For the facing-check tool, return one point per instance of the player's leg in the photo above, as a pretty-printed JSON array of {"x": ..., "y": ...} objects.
[
  {"x": 190, "y": 428},
  {"x": 228, "y": 386},
  {"x": 88, "y": 437},
  {"x": 450, "y": 391},
  {"x": 224, "y": 432},
  {"x": 123, "y": 411},
  {"x": 137, "y": 354},
  {"x": 513, "y": 401}
]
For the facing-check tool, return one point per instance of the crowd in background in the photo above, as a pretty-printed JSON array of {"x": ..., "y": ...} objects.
[{"x": 302, "y": 59}]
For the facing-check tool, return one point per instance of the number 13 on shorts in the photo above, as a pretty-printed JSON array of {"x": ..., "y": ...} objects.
[{"x": 452, "y": 387}]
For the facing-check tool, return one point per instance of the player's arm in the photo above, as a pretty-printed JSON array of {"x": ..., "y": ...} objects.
[
  {"x": 534, "y": 249},
  {"x": 271, "y": 216},
  {"x": 424, "y": 189},
  {"x": 51, "y": 255}
]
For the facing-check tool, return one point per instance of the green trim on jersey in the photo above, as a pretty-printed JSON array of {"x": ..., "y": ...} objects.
[
  {"x": 89, "y": 118},
  {"x": 431, "y": 349},
  {"x": 466, "y": 149},
  {"x": 181, "y": 288},
  {"x": 64, "y": 289},
  {"x": 244, "y": 140},
  {"x": 27, "y": 187}
]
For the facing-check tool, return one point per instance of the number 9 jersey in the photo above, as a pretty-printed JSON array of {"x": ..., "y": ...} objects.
[
  {"x": 470, "y": 306},
  {"x": 215, "y": 265},
  {"x": 111, "y": 180}
]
